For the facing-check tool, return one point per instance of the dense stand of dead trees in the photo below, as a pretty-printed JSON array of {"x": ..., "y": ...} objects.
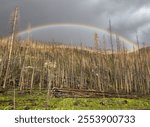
[{"x": 35, "y": 65}]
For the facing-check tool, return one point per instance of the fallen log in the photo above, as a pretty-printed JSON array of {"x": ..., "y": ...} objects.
[{"x": 77, "y": 93}]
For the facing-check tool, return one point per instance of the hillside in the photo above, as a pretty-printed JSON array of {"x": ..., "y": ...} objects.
[
  {"x": 66, "y": 71},
  {"x": 35, "y": 65}
]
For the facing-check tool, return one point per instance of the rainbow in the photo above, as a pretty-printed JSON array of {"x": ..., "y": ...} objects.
[{"x": 96, "y": 29}]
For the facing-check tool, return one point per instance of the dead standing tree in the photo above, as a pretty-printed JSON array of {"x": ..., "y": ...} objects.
[
  {"x": 12, "y": 39},
  {"x": 96, "y": 39},
  {"x": 50, "y": 67},
  {"x": 21, "y": 79}
]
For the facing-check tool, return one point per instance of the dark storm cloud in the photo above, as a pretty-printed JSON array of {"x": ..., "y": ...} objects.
[{"x": 127, "y": 16}]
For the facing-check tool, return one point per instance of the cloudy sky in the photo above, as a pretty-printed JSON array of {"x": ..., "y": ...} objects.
[{"x": 128, "y": 17}]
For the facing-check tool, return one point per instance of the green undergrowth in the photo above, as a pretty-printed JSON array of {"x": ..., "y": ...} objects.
[{"x": 40, "y": 101}]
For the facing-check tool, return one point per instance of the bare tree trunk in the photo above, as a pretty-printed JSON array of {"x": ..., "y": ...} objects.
[
  {"x": 49, "y": 83},
  {"x": 32, "y": 79},
  {"x": 11, "y": 45}
]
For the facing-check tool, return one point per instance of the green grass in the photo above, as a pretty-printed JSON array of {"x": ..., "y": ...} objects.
[{"x": 39, "y": 101}]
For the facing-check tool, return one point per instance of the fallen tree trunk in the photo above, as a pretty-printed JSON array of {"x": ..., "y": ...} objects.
[{"x": 77, "y": 93}]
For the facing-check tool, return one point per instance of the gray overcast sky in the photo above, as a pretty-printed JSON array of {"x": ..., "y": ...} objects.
[{"x": 127, "y": 16}]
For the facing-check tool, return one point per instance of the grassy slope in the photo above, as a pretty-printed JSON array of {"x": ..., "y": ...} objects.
[{"x": 39, "y": 101}]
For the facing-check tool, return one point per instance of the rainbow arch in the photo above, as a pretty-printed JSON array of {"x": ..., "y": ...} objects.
[{"x": 96, "y": 29}]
